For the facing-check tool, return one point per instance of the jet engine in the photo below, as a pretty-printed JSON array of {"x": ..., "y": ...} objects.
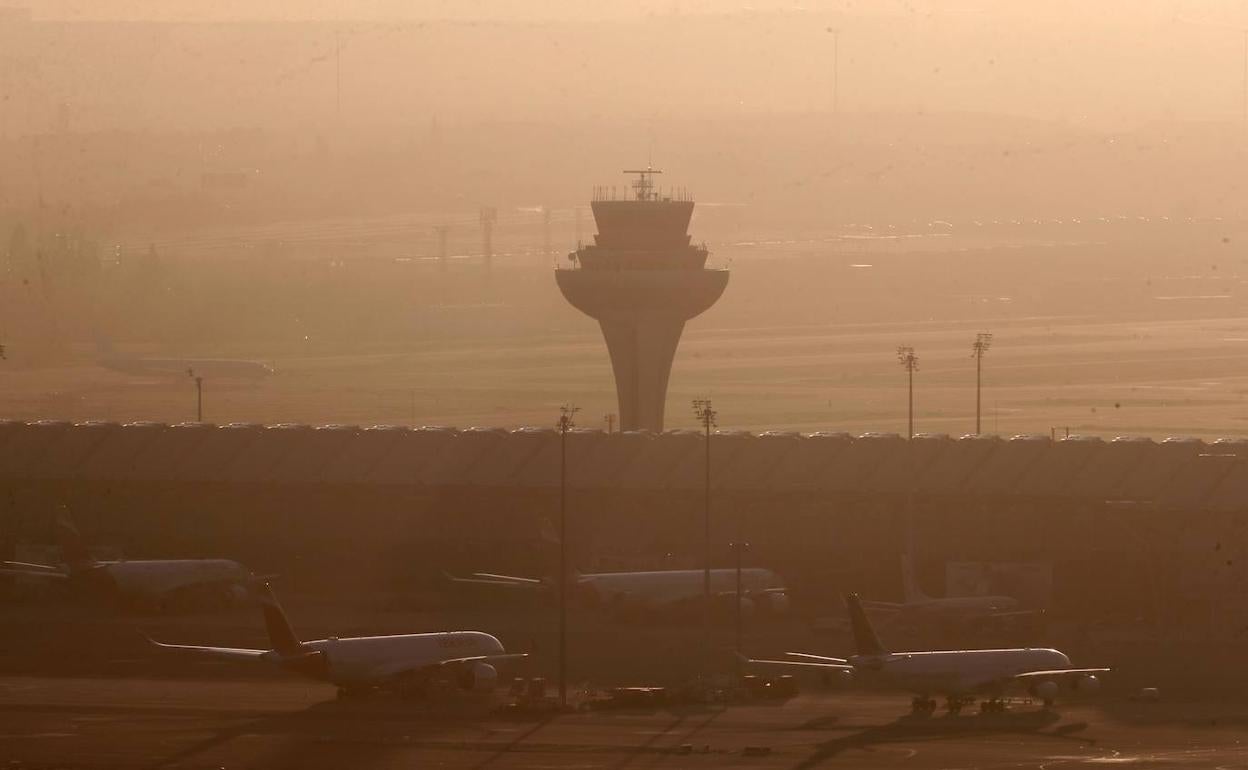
[
  {"x": 837, "y": 679},
  {"x": 479, "y": 677},
  {"x": 778, "y": 603},
  {"x": 1086, "y": 684},
  {"x": 1045, "y": 691}
]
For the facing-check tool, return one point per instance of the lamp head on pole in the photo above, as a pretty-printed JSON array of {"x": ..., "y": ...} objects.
[
  {"x": 566, "y": 413},
  {"x": 703, "y": 411},
  {"x": 980, "y": 346},
  {"x": 907, "y": 358}
]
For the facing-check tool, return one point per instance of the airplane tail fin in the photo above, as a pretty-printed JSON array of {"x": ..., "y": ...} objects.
[
  {"x": 73, "y": 549},
  {"x": 910, "y": 585},
  {"x": 281, "y": 635},
  {"x": 547, "y": 531},
  {"x": 865, "y": 640}
]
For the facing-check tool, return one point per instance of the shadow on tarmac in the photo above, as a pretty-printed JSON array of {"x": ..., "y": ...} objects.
[
  {"x": 369, "y": 728},
  {"x": 913, "y": 729},
  {"x": 1192, "y": 715}
]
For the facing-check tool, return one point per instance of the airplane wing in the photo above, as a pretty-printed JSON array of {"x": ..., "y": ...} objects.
[
  {"x": 506, "y": 578},
  {"x": 28, "y": 565},
  {"x": 1058, "y": 672},
  {"x": 396, "y": 671},
  {"x": 499, "y": 658},
  {"x": 226, "y": 653},
  {"x": 489, "y": 579},
  {"x": 819, "y": 658},
  {"x": 867, "y": 604},
  {"x": 18, "y": 568},
  {"x": 823, "y": 666},
  {"x": 1016, "y": 613}
]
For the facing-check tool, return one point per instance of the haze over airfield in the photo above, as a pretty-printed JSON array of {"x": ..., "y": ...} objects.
[
  {"x": 1107, "y": 65},
  {"x": 1068, "y": 177}
]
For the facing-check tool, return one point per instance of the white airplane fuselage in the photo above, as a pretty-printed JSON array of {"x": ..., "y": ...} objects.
[
  {"x": 961, "y": 606},
  {"x": 369, "y": 660},
  {"x": 160, "y": 577},
  {"x": 667, "y": 587},
  {"x": 953, "y": 672}
]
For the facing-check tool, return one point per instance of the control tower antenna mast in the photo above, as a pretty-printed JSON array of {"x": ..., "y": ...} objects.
[{"x": 643, "y": 185}]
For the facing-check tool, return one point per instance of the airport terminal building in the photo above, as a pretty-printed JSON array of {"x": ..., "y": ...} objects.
[{"x": 1157, "y": 526}]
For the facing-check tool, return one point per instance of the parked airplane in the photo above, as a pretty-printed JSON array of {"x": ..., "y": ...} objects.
[
  {"x": 208, "y": 368},
  {"x": 160, "y": 584},
  {"x": 406, "y": 663},
  {"x": 956, "y": 609},
  {"x": 657, "y": 590},
  {"x": 958, "y": 675}
]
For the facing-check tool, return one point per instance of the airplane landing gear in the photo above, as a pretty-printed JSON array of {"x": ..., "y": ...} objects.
[{"x": 954, "y": 704}]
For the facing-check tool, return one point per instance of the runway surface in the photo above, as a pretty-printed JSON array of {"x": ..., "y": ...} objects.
[{"x": 141, "y": 723}]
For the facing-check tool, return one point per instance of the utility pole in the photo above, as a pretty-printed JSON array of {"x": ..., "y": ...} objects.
[
  {"x": 908, "y": 360},
  {"x": 199, "y": 394},
  {"x": 488, "y": 216},
  {"x": 737, "y": 548},
  {"x": 706, "y": 415},
  {"x": 443, "y": 255},
  {"x": 546, "y": 249},
  {"x": 979, "y": 347},
  {"x": 338, "y": 76},
  {"x": 566, "y": 413},
  {"x": 836, "y": 68}
]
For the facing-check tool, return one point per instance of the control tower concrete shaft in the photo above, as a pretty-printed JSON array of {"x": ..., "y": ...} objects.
[{"x": 642, "y": 278}]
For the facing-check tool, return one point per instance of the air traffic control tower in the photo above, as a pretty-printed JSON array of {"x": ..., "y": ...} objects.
[{"x": 641, "y": 278}]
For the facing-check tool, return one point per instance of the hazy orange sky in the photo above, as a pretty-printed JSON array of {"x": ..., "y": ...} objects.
[
  {"x": 1117, "y": 65},
  {"x": 1114, "y": 11}
]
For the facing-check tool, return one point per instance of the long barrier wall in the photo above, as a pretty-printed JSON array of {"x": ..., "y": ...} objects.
[{"x": 1157, "y": 526}]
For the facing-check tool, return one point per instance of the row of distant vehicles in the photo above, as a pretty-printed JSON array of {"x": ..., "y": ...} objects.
[{"x": 469, "y": 660}]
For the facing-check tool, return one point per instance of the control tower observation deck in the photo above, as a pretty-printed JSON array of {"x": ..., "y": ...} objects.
[{"x": 641, "y": 278}]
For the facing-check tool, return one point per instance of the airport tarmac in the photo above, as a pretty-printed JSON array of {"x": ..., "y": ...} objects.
[{"x": 143, "y": 723}]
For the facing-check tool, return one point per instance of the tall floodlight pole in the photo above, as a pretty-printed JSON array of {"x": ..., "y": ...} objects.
[
  {"x": 566, "y": 412},
  {"x": 836, "y": 67},
  {"x": 199, "y": 394},
  {"x": 338, "y": 75},
  {"x": 738, "y": 547},
  {"x": 546, "y": 250},
  {"x": 979, "y": 347},
  {"x": 908, "y": 360},
  {"x": 706, "y": 415}
]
